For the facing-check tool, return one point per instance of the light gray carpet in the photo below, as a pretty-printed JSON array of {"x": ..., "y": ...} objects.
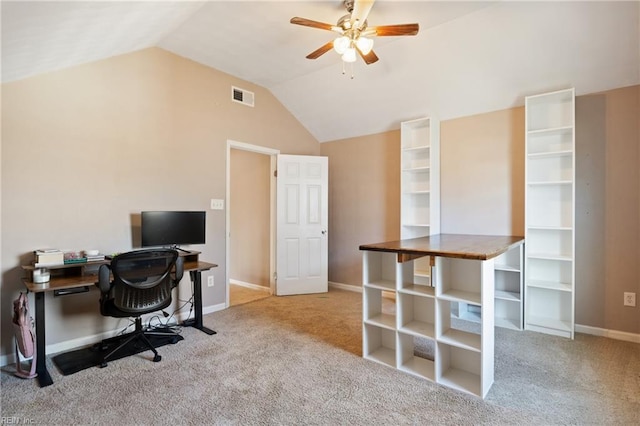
[{"x": 296, "y": 360}]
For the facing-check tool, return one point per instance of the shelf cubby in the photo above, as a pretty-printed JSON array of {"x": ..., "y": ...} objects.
[
  {"x": 550, "y": 111},
  {"x": 416, "y": 180},
  {"x": 508, "y": 313},
  {"x": 416, "y": 355},
  {"x": 550, "y": 168},
  {"x": 550, "y": 243},
  {"x": 416, "y": 315},
  {"x": 446, "y": 332},
  {"x": 553, "y": 311},
  {"x": 418, "y": 206},
  {"x": 415, "y": 158},
  {"x": 379, "y": 344},
  {"x": 375, "y": 312},
  {"x": 552, "y": 274},
  {"x": 379, "y": 270},
  {"x": 422, "y": 271},
  {"x": 550, "y": 206},
  {"x": 459, "y": 369},
  {"x": 550, "y": 141},
  {"x": 460, "y": 280}
]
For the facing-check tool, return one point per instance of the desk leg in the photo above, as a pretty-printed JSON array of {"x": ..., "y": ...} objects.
[
  {"x": 196, "y": 322},
  {"x": 41, "y": 357}
]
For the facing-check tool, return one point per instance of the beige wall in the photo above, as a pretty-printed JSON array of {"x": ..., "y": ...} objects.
[
  {"x": 482, "y": 192},
  {"x": 482, "y": 174},
  {"x": 622, "y": 206},
  {"x": 250, "y": 217},
  {"x": 364, "y": 199},
  {"x": 84, "y": 150}
]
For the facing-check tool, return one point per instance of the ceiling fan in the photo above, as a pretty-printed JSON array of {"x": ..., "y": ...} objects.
[{"x": 354, "y": 33}]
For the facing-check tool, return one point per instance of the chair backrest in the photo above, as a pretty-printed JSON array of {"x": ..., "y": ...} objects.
[{"x": 142, "y": 282}]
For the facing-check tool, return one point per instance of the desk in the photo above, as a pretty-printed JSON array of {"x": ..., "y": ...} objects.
[
  {"x": 462, "y": 271},
  {"x": 75, "y": 276}
]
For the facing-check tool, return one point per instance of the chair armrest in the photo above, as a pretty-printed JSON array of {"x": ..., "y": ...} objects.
[
  {"x": 179, "y": 271},
  {"x": 103, "y": 279}
]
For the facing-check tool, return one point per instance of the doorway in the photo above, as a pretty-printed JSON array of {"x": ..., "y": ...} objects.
[{"x": 250, "y": 222}]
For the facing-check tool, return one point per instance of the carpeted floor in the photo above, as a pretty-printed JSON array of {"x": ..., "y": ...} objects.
[{"x": 297, "y": 360}]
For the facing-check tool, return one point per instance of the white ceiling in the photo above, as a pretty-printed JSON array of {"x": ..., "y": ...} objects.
[{"x": 469, "y": 57}]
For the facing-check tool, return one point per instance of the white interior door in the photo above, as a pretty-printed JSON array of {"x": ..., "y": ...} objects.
[{"x": 302, "y": 225}]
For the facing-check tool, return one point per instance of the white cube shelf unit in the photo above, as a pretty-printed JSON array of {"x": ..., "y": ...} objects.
[
  {"x": 508, "y": 294},
  {"x": 420, "y": 183},
  {"x": 550, "y": 213},
  {"x": 463, "y": 272}
]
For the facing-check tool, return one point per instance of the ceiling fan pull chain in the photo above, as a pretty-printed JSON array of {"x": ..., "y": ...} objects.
[{"x": 344, "y": 70}]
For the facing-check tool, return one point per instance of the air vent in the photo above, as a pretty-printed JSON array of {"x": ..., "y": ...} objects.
[{"x": 242, "y": 96}]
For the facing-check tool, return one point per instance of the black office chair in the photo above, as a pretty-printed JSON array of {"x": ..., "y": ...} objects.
[{"x": 142, "y": 283}]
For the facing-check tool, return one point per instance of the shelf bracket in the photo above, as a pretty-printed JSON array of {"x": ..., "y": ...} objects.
[{"x": 405, "y": 257}]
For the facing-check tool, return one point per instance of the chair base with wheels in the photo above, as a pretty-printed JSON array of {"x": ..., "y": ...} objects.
[
  {"x": 138, "y": 336},
  {"x": 142, "y": 284}
]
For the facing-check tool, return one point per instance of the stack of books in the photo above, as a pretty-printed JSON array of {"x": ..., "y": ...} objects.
[
  {"x": 48, "y": 257},
  {"x": 94, "y": 258}
]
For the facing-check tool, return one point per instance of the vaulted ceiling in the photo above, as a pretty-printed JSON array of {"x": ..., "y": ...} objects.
[{"x": 468, "y": 58}]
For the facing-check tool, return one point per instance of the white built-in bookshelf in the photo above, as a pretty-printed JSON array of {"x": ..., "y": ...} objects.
[
  {"x": 550, "y": 213},
  {"x": 420, "y": 184}
]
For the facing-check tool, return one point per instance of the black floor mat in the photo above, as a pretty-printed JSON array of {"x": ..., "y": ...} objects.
[{"x": 80, "y": 359}]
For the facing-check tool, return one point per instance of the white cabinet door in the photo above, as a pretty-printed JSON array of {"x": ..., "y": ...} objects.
[{"x": 302, "y": 225}]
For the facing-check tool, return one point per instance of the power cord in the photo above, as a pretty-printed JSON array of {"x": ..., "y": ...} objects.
[{"x": 170, "y": 324}]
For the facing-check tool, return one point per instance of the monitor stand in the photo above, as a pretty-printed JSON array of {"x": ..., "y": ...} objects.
[{"x": 181, "y": 249}]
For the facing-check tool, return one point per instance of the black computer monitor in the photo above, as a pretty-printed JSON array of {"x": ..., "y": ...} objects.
[{"x": 172, "y": 228}]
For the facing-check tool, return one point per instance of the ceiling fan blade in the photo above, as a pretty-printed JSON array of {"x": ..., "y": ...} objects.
[
  {"x": 314, "y": 24},
  {"x": 320, "y": 51},
  {"x": 361, "y": 9},
  {"x": 395, "y": 30},
  {"x": 369, "y": 58}
]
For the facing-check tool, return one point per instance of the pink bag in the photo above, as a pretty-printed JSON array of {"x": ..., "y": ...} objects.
[{"x": 25, "y": 337}]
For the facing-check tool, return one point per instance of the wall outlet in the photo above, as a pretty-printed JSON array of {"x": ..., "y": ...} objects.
[
  {"x": 217, "y": 204},
  {"x": 210, "y": 282},
  {"x": 629, "y": 299}
]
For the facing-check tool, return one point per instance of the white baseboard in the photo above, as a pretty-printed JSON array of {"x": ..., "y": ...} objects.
[
  {"x": 250, "y": 285},
  {"x": 612, "y": 334},
  {"x": 348, "y": 287},
  {"x": 358, "y": 289},
  {"x": 80, "y": 342}
]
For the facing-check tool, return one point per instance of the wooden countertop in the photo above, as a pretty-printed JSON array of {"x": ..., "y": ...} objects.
[{"x": 477, "y": 247}]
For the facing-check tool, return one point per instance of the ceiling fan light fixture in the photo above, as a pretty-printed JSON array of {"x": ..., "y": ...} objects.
[
  {"x": 341, "y": 44},
  {"x": 365, "y": 45},
  {"x": 349, "y": 55}
]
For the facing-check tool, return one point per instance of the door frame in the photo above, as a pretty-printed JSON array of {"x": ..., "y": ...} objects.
[{"x": 273, "y": 154}]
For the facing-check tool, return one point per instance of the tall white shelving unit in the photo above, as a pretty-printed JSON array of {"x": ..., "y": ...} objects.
[
  {"x": 420, "y": 184},
  {"x": 550, "y": 213}
]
